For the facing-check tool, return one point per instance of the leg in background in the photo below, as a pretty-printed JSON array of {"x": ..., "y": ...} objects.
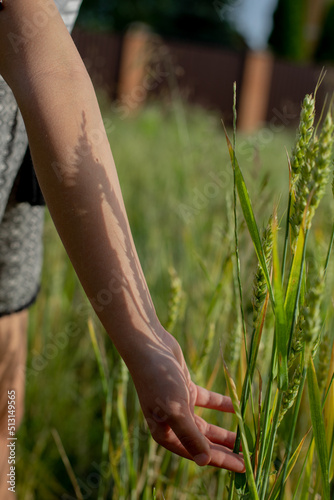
[{"x": 13, "y": 353}]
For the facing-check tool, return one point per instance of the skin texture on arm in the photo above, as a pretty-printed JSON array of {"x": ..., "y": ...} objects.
[{"x": 76, "y": 171}]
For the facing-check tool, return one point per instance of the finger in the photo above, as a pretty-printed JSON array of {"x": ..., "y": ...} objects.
[
  {"x": 220, "y": 456},
  {"x": 165, "y": 437},
  {"x": 216, "y": 434},
  {"x": 225, "y": 459},
  {"x": 192, "y": 439},
  {"x": 213, "y": 400}
]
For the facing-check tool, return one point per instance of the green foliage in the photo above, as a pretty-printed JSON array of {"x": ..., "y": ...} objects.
[
  {"x": 318, "y": 428},
  {"x": 299, "y": 302},
  {"x": 287, "y": 37},
  {"x": 197, "y": 21},
  {"x": 325, "y": 49}
]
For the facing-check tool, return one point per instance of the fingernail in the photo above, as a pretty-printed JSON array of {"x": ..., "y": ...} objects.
[
  {"x": 242, "y": 468},
  {"x": 202, "y": 459}
]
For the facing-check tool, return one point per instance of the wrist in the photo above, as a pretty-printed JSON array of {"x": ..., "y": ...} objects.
[{"x": 139, "y": 341}]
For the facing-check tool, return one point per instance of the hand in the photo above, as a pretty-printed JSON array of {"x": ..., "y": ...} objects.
[{"x": 168, "y": 397}]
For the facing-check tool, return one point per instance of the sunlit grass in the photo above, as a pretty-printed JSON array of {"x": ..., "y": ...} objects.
[{"x": 177, "y": 186}]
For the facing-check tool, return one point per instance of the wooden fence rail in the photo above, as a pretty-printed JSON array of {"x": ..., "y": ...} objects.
[{"x": 139, "y": 65}]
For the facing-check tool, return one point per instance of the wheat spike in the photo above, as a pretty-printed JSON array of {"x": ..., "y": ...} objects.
[
  {"x": 313, "y": 176},
  {"x": 290, "y": 394},
  {"x": 175, "y": 299},
  {"x": 259, "y": 284},
  {"x": 304, "y": 134}
]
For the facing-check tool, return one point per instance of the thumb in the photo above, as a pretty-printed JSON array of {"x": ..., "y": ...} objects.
[{"x": 192, "y": 439}]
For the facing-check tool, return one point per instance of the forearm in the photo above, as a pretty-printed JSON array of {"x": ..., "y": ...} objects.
[
  {"x": 77, "y": 175},
  {"x": 76, "y": 171}
]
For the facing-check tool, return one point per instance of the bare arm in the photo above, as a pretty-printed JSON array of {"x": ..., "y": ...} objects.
[{"x": 76, "y": 171}]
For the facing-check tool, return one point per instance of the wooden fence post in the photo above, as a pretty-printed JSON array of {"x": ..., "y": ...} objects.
[
  {"x": 255, "y": 89},
  {"x": 134, "y": 60}
]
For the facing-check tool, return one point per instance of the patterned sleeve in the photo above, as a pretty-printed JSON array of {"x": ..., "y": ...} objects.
[
  {"x": 21, "y": 219},
  {"x": 13, "y": 137},
  {"x": 69, "y": 10}
]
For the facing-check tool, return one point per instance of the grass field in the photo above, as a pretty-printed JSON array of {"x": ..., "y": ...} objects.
[{"x": 177, "y": 182}]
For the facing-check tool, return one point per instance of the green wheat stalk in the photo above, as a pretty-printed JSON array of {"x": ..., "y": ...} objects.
[{"x": 309, "y": 172}]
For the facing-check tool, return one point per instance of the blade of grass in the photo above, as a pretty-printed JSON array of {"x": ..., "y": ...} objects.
[
  {"x": 287, "y": 227},
  {"x": 236, "y": 219},
  {"x": 253, "y": 352},
  {"x": 255, "y": 457},
  {"x": 256, "y": 339},
  {"x": 123, "y": 420},
  {"x": 318, "y": 427},
  {"x": 99, "y": 358},
  {"x": 245, "y": 450},
  {"x": 308, "y": 462},
  {"x": 329, "y": 414},
  {"x": 247, "y": 382},
  {"x": 307, "y": 465},
  {"x": 282, "y": 332},
  {"x": 329, "y": 251},
  {"x": 270, "y": 447},
  {"x": 292, "y": 432},
  {"x": 237, "y": 443},
  {"x": 280, "y": 479},
  {"x": 265, "y": 421},
  {"x": 67, "y": 464},
  {"x": 107, "y": 389},
  {"x": 331, "y": 459},
  {"x": 248, "y": 213},
  {"x": 294, "y": 282}
]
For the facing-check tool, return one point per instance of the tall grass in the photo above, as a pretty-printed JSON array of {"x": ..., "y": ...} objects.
[
  {"x": 295, "y": 293},
  {"x": 83, "y": 426}
]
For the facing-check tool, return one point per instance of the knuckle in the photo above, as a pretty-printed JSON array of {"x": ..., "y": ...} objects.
[
  {"x": 202, "y": 425},
  {"x": 189, "y": 442},
  {"x": 186, "y": 442},
  {"x": 168, "y": 411},
  {"x": 161, "y": 435}
]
